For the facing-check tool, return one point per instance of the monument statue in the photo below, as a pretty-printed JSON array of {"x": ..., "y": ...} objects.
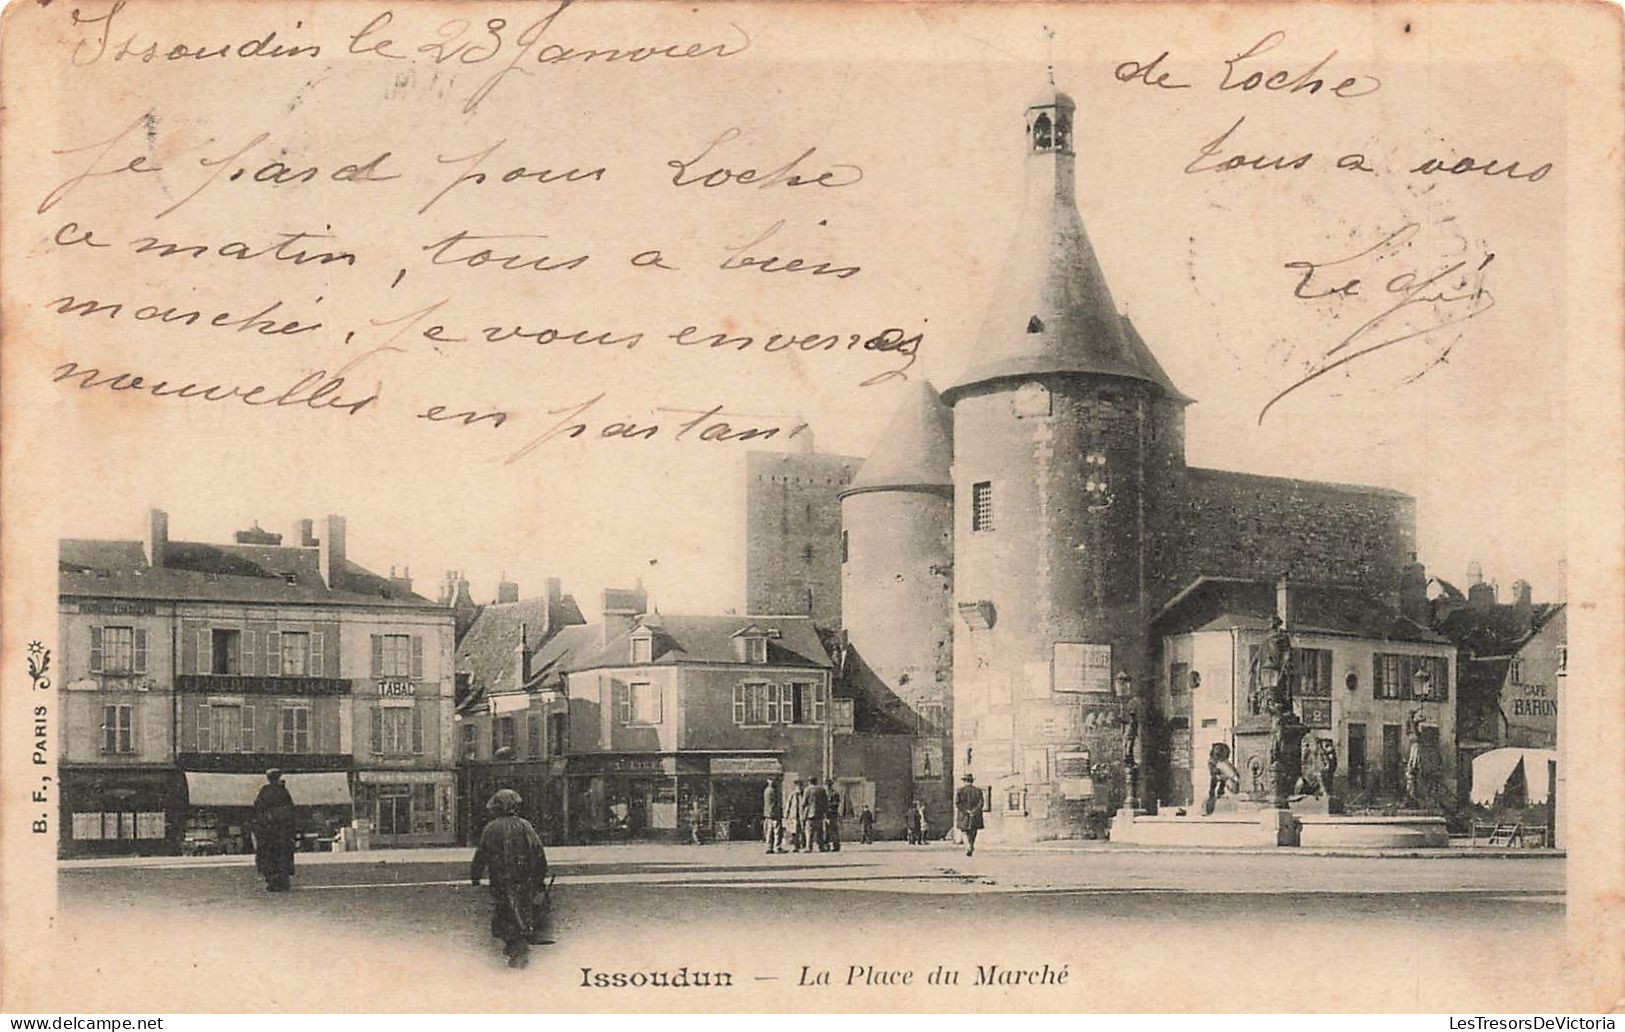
[
  {"x": 1277, "y": 676},
  {"x": 1413, "y": 756},
  {"x": 1309, "y": 780},
  {"x": 1328, "y": 764},
  {"x": 1221, "y": 776}
]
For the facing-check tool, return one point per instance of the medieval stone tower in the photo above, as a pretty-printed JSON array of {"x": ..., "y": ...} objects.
[
  {"x": 897, "y": 585},
  {"x": 1067, "y": 436}
]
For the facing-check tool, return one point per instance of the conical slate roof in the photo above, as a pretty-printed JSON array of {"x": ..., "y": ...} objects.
[
  {"x": 916, "y": 449},
  {"x": 1052, "y": 311}
]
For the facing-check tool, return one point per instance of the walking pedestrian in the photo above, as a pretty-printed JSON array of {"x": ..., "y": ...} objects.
[
  {"x": 815, "y": 804},
  {"x": 512, "y": 853},
  {"x": 696, "y": 817},
  {"x": 866, "y": 825},
  {"x": 772, "y": 821},
  {"x": 273, "y": 833},
  {"x": 911, "y": 823},
  {"x": 969, "y": 804},
  {"x": 832, "y": 821},
  {"x": 793, "y": 805}
]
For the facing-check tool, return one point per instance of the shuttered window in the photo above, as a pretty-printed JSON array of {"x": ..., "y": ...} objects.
[
  {"x": 118, "y": 729},
  {"x": 318, "y": 645}
]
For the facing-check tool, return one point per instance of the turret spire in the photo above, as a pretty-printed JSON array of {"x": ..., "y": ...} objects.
[{"x": 1052, "y": 311}]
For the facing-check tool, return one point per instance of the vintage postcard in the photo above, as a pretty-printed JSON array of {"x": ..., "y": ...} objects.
[{"x": 630, "y": 506}]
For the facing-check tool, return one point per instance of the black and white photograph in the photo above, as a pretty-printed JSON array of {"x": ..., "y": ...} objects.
[{"x": 616, "y": 506}]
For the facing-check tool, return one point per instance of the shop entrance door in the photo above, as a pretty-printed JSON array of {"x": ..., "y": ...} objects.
[
  {"x": 737, "y": 803},
  {"x": 394, "y": 810}
]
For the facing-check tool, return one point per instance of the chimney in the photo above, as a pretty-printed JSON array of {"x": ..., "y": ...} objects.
[
  {"x": 550, "y": 608},
  {"x": 304, "y": 534},
  {"x": 621, "y": 608},
  {"x": 403, "y": 583},
  {"x": 448, "y": 589},
  {"x": 157, "y": 538},
  {"x": 1523, "y": 599},
  {"x": 507, "y": 590},
  {"x": 1475, "y": 573},
  {"x": 1283, "y": 603},
  {"x": 331, "y": 555},
  {"x": 1562, "y": 580},
  {"x": 1413, "y": 592},
  {"x": 1481, "y": 593},
  {"x": 522, "y": 654}
]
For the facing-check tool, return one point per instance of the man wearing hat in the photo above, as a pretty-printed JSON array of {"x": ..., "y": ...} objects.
[
  {"x": 968, "y": 803},
  {"x": 511, "y": 851},
  {"x": 273, "y": 833}
]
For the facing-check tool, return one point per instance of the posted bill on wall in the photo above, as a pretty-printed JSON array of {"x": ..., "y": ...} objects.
[{"x": 645, "y": 507}]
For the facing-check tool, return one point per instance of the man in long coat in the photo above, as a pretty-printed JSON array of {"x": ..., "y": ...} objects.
[
  {"x": 273, "y": 833},
  {"x": 511, "y": 851},
  {"x": 772, "y": 823},
  {"x": 814, "y": 808},
  {"x": 792, "y": 815},
  {"x": 968, "y": 805}
]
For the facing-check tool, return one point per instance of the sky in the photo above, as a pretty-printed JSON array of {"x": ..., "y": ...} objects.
[{"x": 1467, "y": 420}]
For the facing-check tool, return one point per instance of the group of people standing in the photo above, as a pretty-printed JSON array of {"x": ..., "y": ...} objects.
[{"x": 808, "y": 814}]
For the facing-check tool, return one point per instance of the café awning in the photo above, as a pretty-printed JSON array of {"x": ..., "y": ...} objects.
[{"x": 239, "y": 790}]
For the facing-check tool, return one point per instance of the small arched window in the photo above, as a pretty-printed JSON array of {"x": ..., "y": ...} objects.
[
  {"x": 1063, "y": 132},
  {"x": 1042, "y": 133}
]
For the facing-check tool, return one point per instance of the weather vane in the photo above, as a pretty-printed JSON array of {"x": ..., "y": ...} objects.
[{"x": 1051, "y": 64}]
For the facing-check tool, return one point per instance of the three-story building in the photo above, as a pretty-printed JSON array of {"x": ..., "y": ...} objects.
[{"x": 192, "y": 668}]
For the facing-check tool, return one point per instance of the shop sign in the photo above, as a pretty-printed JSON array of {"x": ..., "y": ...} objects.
[
  {"x": 1317, "y": 712},
  {"x": 116, "y": 608},
  {"x": 745, "y": 765},
  {"x": 395, "y": 688},
  {"x": 401, "y": 777}
]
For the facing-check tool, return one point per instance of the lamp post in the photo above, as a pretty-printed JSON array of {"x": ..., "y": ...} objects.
[{"x": 1130, "y": 718}]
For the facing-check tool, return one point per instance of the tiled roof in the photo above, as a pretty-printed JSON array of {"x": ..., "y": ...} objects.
[
  {"x": 1495, "y": 630},
  {"x": 917, "y": 447},
  {"x": 194, "y": 571},
  {"x": 487, "y": 653},
  {"x": 1216, "y": 603},
  {"x": 1051, "y": 310},
  {"x": 710, "y": 639}
]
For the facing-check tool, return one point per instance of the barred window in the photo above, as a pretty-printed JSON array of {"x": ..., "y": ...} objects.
[{"x": 981, "y": 516}]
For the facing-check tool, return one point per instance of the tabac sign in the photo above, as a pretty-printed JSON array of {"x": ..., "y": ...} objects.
[{"x": 396, "y": 688}]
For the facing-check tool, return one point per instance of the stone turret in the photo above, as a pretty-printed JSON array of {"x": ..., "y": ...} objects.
[
  {"x": 897, "y": 584},
  {"x": 1067, "y": 432}
]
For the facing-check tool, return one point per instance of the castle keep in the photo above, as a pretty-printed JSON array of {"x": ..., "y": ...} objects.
[{"x": 1011, "y": 547}]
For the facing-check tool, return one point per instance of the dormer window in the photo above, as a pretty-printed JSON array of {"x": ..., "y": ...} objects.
[
  {"x": 755, "y": 648},
  {"x": 643, "y": 647}
]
